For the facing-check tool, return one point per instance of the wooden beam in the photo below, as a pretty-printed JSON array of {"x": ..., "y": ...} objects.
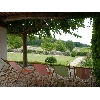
[
  {"x": 47, "y": 15},
  {"x": 35, "y": 15},
  {"x": 24, "y": 50}
]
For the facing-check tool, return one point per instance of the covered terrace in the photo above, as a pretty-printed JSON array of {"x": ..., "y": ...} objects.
[{"x": 14, "y": 16}]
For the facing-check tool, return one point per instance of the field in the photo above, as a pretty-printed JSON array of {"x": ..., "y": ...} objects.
[{"x": 39, "y": 58}]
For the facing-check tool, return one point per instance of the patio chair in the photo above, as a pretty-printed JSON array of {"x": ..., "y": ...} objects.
[
  {"x": 41, "y": 69},
  {"x": 56, "y": 78},
  {"x": 63, "y": 74},
  {"x": 14, "y": 65},
  {"x": 18, "y": 72},
  {"x": 43, "y": 72},
  {"x": 83, "y": 74}
]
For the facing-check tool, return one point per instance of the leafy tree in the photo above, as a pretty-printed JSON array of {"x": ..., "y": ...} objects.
[
  {"x": 78, "y": 44},
  {"x": 69, "y": 45},
  {"x": 43, "y": 27},
  {"x": 47, "y": 44},
  {"x": 14, "y": 41},
  {"x": 73, "y": 53},
  {"x": 60, "y": 46},
  {"x": 34, "y": 41}
]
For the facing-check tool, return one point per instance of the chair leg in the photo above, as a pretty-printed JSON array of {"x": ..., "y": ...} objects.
[{"x": 91, "y": 81}]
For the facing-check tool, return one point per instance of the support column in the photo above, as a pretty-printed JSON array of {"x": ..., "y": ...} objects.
[
  {"x": 24, "y": 50},
  {"x": 3, "y": 45}
]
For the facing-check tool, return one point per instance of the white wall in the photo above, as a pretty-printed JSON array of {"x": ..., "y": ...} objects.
[{"x": 3, "y": 45}]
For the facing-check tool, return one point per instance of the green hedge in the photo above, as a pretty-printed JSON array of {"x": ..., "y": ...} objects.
[
  {"x": 51, "y": 64},
  {"x": 96, "y": 48},
  {"x": 82, "y": 53},
  {"x": 9, "y": 50}
]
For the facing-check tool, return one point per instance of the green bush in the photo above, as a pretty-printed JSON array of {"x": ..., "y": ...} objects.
[
  {"x": 51, "y": 60},
  {"x": 87, "y": 62},
  {"x": 73, "y": 53}
]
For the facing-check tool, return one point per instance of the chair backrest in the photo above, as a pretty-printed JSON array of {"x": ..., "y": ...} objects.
[
  {"x": 14, "y": 65},
  {"x": 40, "y": 68},
  {"x": 61, "y": 70},
  {"x": 83, "y": 73}
]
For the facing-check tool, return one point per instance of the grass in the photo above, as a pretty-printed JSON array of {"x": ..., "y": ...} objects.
[
  {"x": 62, "y": 60},
  {"x": 39, "y": 58}
]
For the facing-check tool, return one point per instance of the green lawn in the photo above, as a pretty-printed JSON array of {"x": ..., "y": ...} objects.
[
  {"x": 39, "y": 58},
  {"x": 61, "y": 70}
]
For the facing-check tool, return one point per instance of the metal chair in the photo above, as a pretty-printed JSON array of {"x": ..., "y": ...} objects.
[{"x": 83, "y": 75}]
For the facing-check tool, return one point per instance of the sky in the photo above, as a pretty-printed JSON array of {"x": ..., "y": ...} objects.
[{"x": 86, "y": 34}]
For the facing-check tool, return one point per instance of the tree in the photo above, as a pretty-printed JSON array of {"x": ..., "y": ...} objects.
[
  {"x": 43, "y": 28},
  {"x": 34, "y": 41},
  {"x": 69, "y": 45},
  {"x": 78, "y": 44},
  {"x": 14, "y": 41},
  {"x": 60, "y": 46},
  {"x": 48, "y": 44}
]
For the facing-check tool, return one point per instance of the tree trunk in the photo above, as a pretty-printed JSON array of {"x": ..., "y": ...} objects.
[{"x": 24, "y": 50}]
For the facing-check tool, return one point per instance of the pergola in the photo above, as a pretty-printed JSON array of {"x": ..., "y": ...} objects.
[{"x": 13, "y": 16}]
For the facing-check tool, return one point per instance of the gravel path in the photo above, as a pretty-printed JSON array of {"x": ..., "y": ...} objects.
[{"x": 76, "y": 61}]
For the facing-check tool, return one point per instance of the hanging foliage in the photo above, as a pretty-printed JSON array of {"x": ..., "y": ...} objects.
[
  {"x": 43, "y": 27},
  {"x": 96, "y": 48}
]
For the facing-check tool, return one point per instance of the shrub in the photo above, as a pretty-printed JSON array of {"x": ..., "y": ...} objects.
[
  {"x": 87, "y": 62},
  {"x": 73, "y": 53},
  {"x": 51, "y": 60}
]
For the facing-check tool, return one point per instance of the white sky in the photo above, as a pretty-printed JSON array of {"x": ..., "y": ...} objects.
[{"x": 86, "y": 34}]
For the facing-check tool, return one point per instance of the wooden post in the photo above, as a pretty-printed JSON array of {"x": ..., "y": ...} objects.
[{"x": 24, "y": 50}]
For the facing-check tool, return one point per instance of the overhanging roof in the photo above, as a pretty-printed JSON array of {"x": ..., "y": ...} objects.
[{"x": 11, "y": 16}]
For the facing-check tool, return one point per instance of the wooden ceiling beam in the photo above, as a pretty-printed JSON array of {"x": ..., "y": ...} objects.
[
  {"x": 12, "y": 16},
  {"x": 35, "y": 15}
]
